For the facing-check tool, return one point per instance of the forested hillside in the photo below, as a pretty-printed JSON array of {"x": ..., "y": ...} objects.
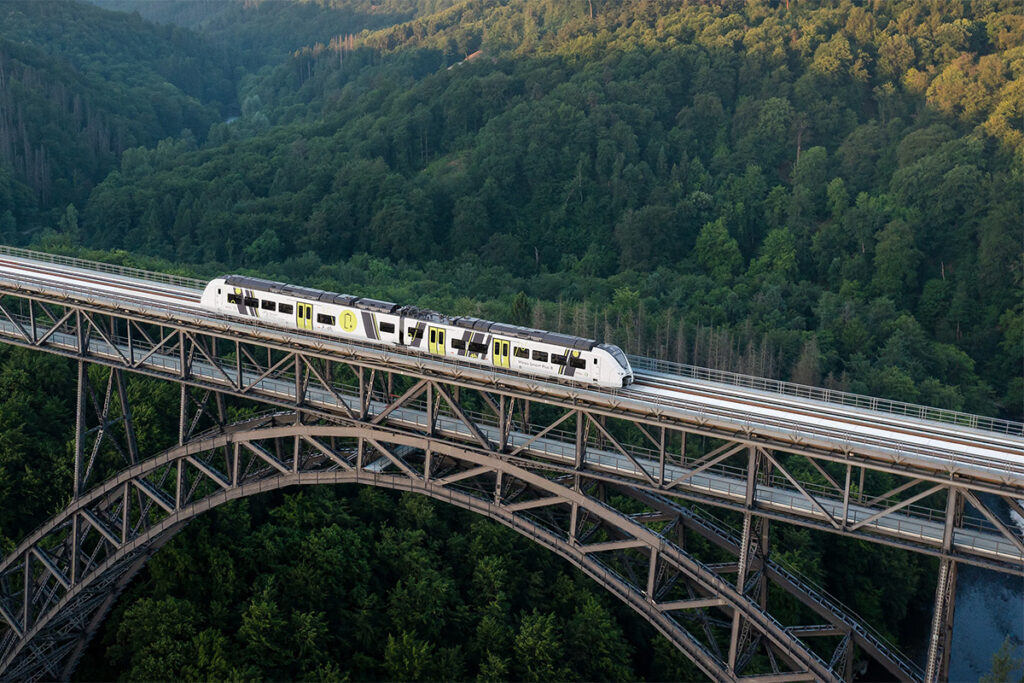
[
  {"x": 826, "y": 192},
  {"x": 78, "y": 87},
  {"x": 266, "y": 31}
]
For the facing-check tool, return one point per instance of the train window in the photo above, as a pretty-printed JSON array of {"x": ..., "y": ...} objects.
[
  {"x": 557, "y": 359},
  {"x": 541, "y": 356},
  {"x": 387, "y": 327},
  {"x": 252, "y": 302},
  {"x": 415, "y": 333},
  {"x": 285, "y": 308},
  {"x": 458, "y": 344},
  {"x": 234, "y": 298},
  {"x": 268, "y": 305},
  {"x": 475, "y": 347},
  {"x": 578, "y": 363},
  {"x": 521, "y": 352},
  {"x": 324, "y": 319}
]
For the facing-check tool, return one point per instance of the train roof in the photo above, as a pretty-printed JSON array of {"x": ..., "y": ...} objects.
[{"x": 426, "y": 315}]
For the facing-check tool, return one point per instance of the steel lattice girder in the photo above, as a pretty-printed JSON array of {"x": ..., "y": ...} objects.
[
  {"x": 186, "y": 481},
  {"x": 288, "y": 373},
  {"x": 300, "y": 373}
]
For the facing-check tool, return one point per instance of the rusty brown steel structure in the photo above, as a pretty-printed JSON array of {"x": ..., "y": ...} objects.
[{"x": 612, "y": 481}]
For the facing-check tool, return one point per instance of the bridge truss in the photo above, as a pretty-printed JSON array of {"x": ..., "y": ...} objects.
[{"x": 617, "y": 485}]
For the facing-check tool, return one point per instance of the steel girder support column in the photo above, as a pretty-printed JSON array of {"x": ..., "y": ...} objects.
[
  {"x": 754, "y": 544},
  {"x": 80, "y": 428},
  {"x": 183, "y": 414},
  {"x": 941, "y": 635},
  {"x": 110, "y": 409}
]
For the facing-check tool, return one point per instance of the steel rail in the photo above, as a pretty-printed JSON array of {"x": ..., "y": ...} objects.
[
  {"x": 953, "y": 458},
  {"x": 648, "y": 365},
  {"x": 784, "y": 501}
]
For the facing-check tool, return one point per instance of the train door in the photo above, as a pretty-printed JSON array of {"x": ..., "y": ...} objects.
[
  {"x": 436, "y": 339},
  {"x": 500, "y": 353},
  {"x": 304, "y": 316}
]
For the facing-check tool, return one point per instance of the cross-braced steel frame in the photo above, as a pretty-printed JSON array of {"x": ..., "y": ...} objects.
[{"x": 611, "y": 482}]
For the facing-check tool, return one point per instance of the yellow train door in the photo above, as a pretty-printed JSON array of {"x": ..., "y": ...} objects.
[
  {"x": 304, "y": 316},
  {"x": 436, "y": 341},
  {"x": 500, "y": 353}
]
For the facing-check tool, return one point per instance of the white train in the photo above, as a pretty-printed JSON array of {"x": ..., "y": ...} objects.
[{"x": 497, "y": 345}]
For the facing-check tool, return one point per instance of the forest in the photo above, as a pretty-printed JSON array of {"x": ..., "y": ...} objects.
[{"x": 822, "y": 192}]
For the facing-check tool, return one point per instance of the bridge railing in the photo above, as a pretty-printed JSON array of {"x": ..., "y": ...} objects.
[
  {"x": 774, "y": 386},
  {"x": 765, "y": 384},
  {"x": 96, "y": 266}
]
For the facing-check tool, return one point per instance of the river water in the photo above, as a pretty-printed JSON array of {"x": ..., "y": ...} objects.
[{"x": 989, "y": 607}]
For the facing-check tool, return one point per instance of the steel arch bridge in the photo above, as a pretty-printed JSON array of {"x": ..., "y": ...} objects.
[
  {"x": 567, "y": 467},
  {"x": 69, "y": 566}
]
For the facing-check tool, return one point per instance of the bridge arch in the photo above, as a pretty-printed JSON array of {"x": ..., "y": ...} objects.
[{"x": 71, "y": 569}]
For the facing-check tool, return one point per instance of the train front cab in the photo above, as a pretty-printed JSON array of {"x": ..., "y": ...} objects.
[{"x": 617, "y": 372}]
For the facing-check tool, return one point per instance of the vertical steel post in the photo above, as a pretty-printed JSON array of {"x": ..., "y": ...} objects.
[
  {"x": 73, "y": 555},
  {"x": 179, "y": 489},
  {"x": 744, "y": 554},
  {"x": 661, "y": 457},
  {"x": 652, "y": 575},
  {"x": 238, "y": 365},
  {"x": 430, "y": 407},
  {"x": 182, "y": 357},
  {"x": 846, "y": 495},
  {"x": 183, "y": 415},
  {"x": 941, "y": 634},
  {"x": 125, "y": 502},
  {"x": 126, "y": 414},
  {"x": 80, "y": 428},
  {"x": 362, "y": 393},
  {"x": 80, "y": 332},
  {"x": 581, "y": 444},
  {"x": 573, "y": 522},
  {"x": 26, "y": 616},
  {"x": 503, "y": 429}
]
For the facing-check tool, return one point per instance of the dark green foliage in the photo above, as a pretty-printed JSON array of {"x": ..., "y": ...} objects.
[
  {"x": 736, "y": 186},
  {"x": 79, "y": 86},
  {"x": 266, "y": 31},
  {"x": 37, "y": 409},
  {"x": 313, "y": 584},
  {"x": 1006, "y": 663},
  {"x": 826, "y": 193}
]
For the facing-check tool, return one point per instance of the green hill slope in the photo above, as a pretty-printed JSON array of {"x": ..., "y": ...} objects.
[
  {"x": 830, "y": 189},
  {"x": 79, "y": 85}
]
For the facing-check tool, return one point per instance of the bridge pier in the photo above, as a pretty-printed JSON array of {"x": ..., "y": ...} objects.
[
  {"x": 753, "y": 553},
  {"x": 941, "y": 633}
]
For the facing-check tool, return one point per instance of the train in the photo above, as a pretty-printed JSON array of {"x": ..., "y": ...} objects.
[{"x": 499, "y": 346}]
